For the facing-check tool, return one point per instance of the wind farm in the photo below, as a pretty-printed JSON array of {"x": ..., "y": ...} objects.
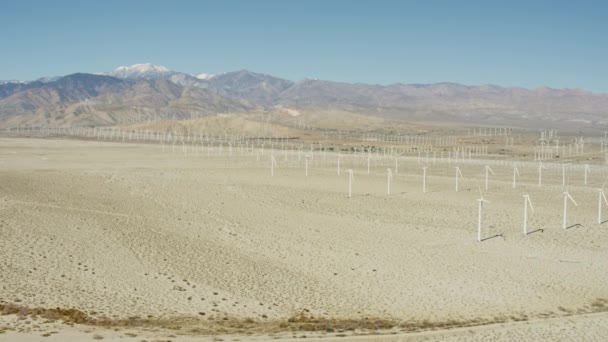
[
  {"x": 353, "y": 171},
  {"x": 214, "y": 200}
]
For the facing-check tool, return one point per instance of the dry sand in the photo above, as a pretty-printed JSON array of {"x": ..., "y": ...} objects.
[{"x": 125, "y": 230}]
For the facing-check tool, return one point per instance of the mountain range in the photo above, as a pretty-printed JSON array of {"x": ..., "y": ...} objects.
[{"x": 144, "y": 91}]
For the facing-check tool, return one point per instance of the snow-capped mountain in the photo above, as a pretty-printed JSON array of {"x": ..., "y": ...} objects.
[
  {"x": 203, "y": 76},
  {"x": 178, "y": 94},
  {"x": 141, "y": 71},
  {"x": 10, "y": 81},
  {"x": 40, "y": 80},
  {"x": 47, "y": 79},
  {"x": 148, "y": 71}
]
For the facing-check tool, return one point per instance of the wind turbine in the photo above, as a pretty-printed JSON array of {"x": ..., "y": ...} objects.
[
  {"x": 458, "y": 173},
  {"x": 273, "y": 163},
  {"x": 480, "y": 202},
  {"x": 515, "y": 175},
  {"x": 602, "y": 196},
  {"x": 424, "y": 179},
  {"x": 396, "y": 164},
  {"x": 540, "y": 174},
  {"x": 526, "y": 203},
  {"x": 338, "y": 165},
  {"x": 566, "y": 198},
  {"x": 587, "y": 169},
  {"x": 488, "y": 171}
]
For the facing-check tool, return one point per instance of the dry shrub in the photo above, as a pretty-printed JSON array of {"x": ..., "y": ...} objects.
[
  {"x": 301, "y": 321},
  {"x": 67, "y": 315},
  {"x": 600, "y": 304}
]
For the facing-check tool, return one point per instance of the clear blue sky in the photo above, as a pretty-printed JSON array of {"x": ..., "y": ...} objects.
[{"x": 561, "y": 44}]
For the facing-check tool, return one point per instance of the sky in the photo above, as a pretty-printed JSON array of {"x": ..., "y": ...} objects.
[{"x": 560, "y": 44}]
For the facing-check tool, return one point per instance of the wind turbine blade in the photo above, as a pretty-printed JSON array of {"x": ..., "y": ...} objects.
[
  {"x": 530, "y": 203},
  {"x": 572, "y": 199}
]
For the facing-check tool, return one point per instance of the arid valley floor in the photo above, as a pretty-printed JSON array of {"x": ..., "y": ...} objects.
[{"x": 125, "y": 242}]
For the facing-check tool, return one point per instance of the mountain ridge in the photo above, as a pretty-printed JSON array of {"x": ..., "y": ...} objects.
[
  {"x": 105, "y": 98},
  {"x": 148, "y": 70}
]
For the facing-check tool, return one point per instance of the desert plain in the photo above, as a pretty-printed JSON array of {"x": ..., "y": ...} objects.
[{"x": 132, "y": 242}]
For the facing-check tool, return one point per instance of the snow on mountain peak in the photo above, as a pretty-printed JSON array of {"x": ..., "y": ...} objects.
[
  {"x": 143, "y": 67},
  {"x": 144, "y": 70},
  {"x": 10, "y": 81},
  {"x": 204, "y": 76}
]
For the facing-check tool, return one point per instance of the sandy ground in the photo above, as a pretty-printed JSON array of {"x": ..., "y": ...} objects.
[{"x": 122, "y": 230}]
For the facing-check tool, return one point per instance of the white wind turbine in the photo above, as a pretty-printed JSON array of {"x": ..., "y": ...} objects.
[
  {"x": 389, "y": 174},
  {"x": 567, "y": 197},
  {"x": 587, "y": 169},
  {"x": 540, "y": 174},
  {"x": 488, "y": 171},
  {"x": 602, "y": 197},
  {"x": 273, "y": 163},
  {"x": 424, "y": 179},
  {"x": 526, "y": 203},
  {"x": 338, "y": 165},
  {"x": 480, "y": 202},
  {"x": 396, "y": 164},
  {"x": 515, "y": 175},
  {"x": 350, "y": 182},
  {"x": 458, "y": 174}
]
